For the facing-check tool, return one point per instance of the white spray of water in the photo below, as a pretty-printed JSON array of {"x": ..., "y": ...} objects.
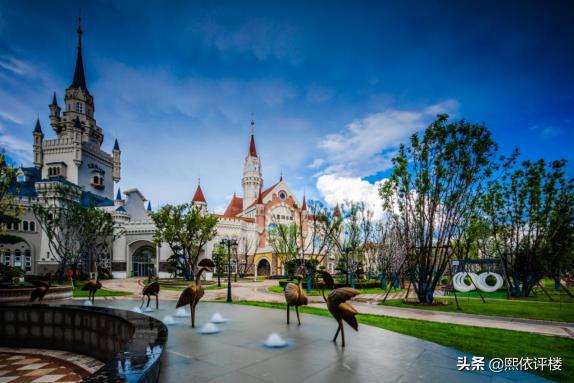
[
  {"x": 88, "y": 303},
  {"x": 136, "y": 309},
  {"x": 148, "y": 309},
  {"x": 217, "y": 318},
  {"x": 209, "y": 328},
  {"x": 168, "y": 320},
  {"x": 275, "y": 340},
  {"x": 181, "y": 312}
]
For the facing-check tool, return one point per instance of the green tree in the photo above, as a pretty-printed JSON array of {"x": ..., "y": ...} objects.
[
  {"x": 186, "y": 230},
  {"x": 75, "y": 232},
  {"x": 8, "y": 210},
  {"x": 434, "y": 191},
  {"x": 531, "y": 215}
]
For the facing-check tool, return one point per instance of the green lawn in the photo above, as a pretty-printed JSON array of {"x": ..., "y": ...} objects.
[
  {"x": 279, "y": 289},
  {"x": 474, "y": 340},
  {"x": 505, "y": 308},
  {"x": 78, "y": 293}
]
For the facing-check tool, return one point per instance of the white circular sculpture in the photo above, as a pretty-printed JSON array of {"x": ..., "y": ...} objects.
[
  {"x": 481, "y": 283},
  {"x": 478, "y": 281}
]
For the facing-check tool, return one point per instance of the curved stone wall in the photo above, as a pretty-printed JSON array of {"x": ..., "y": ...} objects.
[
  {"x": 14, "y": 295},
  {"x": 130, "y": 344}
]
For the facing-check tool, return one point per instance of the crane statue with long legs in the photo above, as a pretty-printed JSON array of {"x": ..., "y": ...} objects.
[
  {"x": 295, "y": 296},
  {"x": 194, "y": 292},
  {"x": 338, "y": 306}
]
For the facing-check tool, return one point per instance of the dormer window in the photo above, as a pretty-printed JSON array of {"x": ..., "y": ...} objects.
[
  {"x": 21, "y": 178},
  {"x": 79, "y": 107},
  {"x": 56, "y": 169},
  {"x": 98, "y": 181}
]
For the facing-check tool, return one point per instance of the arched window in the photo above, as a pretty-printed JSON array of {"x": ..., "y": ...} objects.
[
  {"x": 79, "y": 107},
  {"x": 32, "y": 226},
  {"x": 17, "y": 258},
  {"x": 25, "y": 225}
]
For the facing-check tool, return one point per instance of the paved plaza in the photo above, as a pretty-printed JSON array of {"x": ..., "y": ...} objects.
[{"x": 237, "y": 353}]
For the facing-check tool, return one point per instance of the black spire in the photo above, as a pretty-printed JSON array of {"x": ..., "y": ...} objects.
[
  {"x": 116, "y": 145},
  {"x": 79, "y": 80},
  {"x": 54, "y": 100},
  {"x": 38, "y": 128}
]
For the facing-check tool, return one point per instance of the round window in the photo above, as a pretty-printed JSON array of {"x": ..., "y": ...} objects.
[{"x": 282, "y": 195}]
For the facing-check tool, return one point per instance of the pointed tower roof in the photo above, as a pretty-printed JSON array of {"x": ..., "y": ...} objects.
[
  {"x": 198, "y": 196},
  {"x": 252, "y": 149},
  {"x": 55, "y": 100},
  {"x": 304, "y": 207},
  {"x": 79, "y": 80},
  {"x": 259, "y": 197},
  {"x": 116, "y": 145},
  {"x": 148, "y": 206},
  {"x": 38, "y": 127},
  {"x": 337, "y": 211},
  {"x": 119, "y": 195}
]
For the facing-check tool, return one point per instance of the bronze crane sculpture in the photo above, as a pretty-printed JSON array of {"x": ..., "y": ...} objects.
[
  {"x": 92, "y": 286},
  {"x": 41, "y": 289},
  {"x": 336, "y": 303},
  {"x": 193, "y": 293},
  {"x": 152, "y": 288},
  {"x": 295, "y": 296}
]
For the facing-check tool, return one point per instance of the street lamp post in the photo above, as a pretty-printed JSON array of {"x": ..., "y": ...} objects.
[{"x": 229, "y": 243}]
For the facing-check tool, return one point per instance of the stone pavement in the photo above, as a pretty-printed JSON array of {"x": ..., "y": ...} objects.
[
  {"x": 237, "y": 354},
  {"x": 257, "y": 291}
]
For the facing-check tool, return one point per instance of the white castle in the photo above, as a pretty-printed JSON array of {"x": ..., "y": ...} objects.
[{"x": 76, "y": 156}]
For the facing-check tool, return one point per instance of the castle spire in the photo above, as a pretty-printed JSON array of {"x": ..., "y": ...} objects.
[
  {"x": 252, "y": 150},
  {"x": 79, "y": 80}
]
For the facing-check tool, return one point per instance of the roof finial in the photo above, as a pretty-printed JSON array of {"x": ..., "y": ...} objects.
[
  {"x": 252, "y": 124},
  {"x": 281, "y": 176},
  {"x": 79, "y": 30}
]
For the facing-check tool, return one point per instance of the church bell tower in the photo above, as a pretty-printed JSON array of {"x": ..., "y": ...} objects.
[{"x": 252, "y": 180}]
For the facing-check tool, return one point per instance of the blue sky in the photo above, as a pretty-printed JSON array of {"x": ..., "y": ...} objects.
[{"x": 335, "y": 86}]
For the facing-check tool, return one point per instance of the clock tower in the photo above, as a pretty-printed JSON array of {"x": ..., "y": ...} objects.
[{"x": 252, "y": 180}]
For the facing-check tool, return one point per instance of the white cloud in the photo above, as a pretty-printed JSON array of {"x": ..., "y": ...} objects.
[
  {"x": 366, "y": 146},
  {"x": 338, "y": 189},
  {"x": 15, "y": 65}
]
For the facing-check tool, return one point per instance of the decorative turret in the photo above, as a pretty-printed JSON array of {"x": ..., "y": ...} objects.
[
  {"x": 252, "y": 180},
  {"x": 78, "y": 100},
  {"x": 304, "y": 206},
  {"x": 199, "y": 199},
  {"x": 119, "y": 195},
  {"x": 117, "y": 167},
  {"x": 38, "y": 143},
  {"x": 149, "y": 206},
  {"x": 55, "y": 113},
  {"x": 260, "y": 217}
]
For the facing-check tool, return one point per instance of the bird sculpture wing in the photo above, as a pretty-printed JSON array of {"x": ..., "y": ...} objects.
[
  {"x": 88, "y": 285},
  {"x": 40, "y": 284},
  {"x": 151, "y": 289},
  {"x": 341, "y": 295},
  {"x": 348, "y": 313},
  {"x": 191, "y": 294},
  {"x": 292, "y": 293}
]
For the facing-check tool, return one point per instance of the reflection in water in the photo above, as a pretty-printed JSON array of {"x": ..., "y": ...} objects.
[{"x": 132, "y": 372}]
